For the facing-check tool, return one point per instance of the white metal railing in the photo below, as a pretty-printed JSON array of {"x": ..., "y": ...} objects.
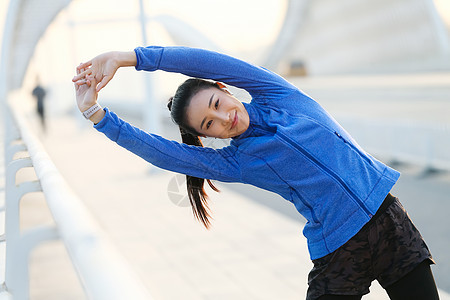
[
  {"x": 103, "y": 272},
  {"x": 418, "y": 143}
]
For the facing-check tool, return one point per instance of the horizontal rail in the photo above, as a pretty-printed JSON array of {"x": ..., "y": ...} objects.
[{"x": 103, "y": 272}]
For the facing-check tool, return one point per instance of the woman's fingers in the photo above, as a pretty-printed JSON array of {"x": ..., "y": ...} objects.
[
  {"x": 82, "y": 72},
  {"x": 79, "y": 79},
  {"x": 78, "y": 71},
  {"x": 81, "y": 75},
  {"x": 83, "y": 81},
  {"x": 103, "y": 82},
  {"x": 85, "y": 65},
  {"x": 84, "y": 76}
]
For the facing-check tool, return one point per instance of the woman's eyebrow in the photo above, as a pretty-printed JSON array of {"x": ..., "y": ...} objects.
[{"x": 209, "y": 106}]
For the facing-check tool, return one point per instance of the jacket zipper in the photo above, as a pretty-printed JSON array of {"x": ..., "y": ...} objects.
[
  {"x": 306, "y": 204},
  {"x": 353, "y": 147},
  {"x": 327, "y": 170}
]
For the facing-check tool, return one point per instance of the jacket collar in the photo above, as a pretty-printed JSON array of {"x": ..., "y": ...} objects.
[{"x": 253, "y": 116}]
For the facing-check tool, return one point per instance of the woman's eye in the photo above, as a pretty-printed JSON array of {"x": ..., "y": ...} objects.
[
  {"x": 216, "y": 105},
  {"x": 208, "y": 124}
]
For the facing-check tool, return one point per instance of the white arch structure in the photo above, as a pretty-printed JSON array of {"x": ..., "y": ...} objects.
[
  {"x": 183, "y": 33},
  {"x": 26, "y": 21},
  {"x": 335, "y": 37}
]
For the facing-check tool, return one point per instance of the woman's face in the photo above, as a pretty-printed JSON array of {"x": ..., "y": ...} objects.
[{"x": 216, "y": 113}]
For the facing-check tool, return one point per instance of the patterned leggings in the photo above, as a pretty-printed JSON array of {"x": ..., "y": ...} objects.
[{"x": 418, "y": 284}]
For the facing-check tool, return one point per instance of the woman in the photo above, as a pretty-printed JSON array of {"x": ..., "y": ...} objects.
[{"x": 285, "y": 142}]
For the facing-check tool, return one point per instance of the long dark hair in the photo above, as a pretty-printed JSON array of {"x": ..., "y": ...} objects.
[{"x": 178, "y": 105}]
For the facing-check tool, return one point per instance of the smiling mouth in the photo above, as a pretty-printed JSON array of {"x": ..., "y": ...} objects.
[{"x": 235, "y": 121}]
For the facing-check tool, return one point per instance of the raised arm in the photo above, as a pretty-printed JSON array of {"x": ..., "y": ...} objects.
[
  {"x": 200, "y": 162},
  {"x": 192, "y": 62},
  {"x": 206, "y": 64},
  {"x": 195, "y": 161}
]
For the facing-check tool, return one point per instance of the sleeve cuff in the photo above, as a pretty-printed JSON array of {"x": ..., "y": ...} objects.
[
  {"x": 102, "y": 122},
  {"x": 138, "y": 61}
]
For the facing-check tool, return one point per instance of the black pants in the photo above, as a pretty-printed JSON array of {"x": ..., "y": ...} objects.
[{"x": 418, "y": 284}]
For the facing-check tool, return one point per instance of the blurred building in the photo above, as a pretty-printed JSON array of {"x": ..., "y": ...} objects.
[{"x": 330, "y": 37}]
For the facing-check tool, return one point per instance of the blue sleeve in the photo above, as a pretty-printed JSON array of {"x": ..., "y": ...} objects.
[
  {"x": 200, "y": 162},
  {"x": 207, "y": 64}
]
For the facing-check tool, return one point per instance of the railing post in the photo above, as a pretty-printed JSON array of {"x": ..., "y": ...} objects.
[
  {"x": 18, "y": 245},
  {"x": 16, "y": 265},
  {"x": 17, "y": 282}
]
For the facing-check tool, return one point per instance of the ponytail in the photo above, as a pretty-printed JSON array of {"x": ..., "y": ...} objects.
[{"x": 196, "y": 192}]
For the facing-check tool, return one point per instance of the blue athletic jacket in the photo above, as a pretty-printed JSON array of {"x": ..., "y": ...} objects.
[{"x": 292, "y": 147}]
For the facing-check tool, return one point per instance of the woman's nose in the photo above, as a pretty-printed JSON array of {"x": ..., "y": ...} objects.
[{"x": 224, "y": 118}]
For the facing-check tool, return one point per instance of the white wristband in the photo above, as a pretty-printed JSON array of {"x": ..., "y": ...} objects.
[{"x": 91, "y": 110}]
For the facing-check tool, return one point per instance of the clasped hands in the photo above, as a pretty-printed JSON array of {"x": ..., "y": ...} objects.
[
  {"x": 101, "y": 68},
  {"x": 94, "y": 75}
]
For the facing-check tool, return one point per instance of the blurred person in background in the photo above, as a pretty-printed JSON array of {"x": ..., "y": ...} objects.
[
  {"x": 39, "y": 93},
  {"x": 282, "y": 141}
]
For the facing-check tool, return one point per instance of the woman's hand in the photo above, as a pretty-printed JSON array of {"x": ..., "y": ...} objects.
[
  {"x": 86, "y": 95},
  {"x": 85, "y": 91},
  {"x": 103, "y": 67}
]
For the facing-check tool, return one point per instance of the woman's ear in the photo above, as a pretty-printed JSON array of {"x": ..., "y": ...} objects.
[{"x": 223, "y": 87}]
